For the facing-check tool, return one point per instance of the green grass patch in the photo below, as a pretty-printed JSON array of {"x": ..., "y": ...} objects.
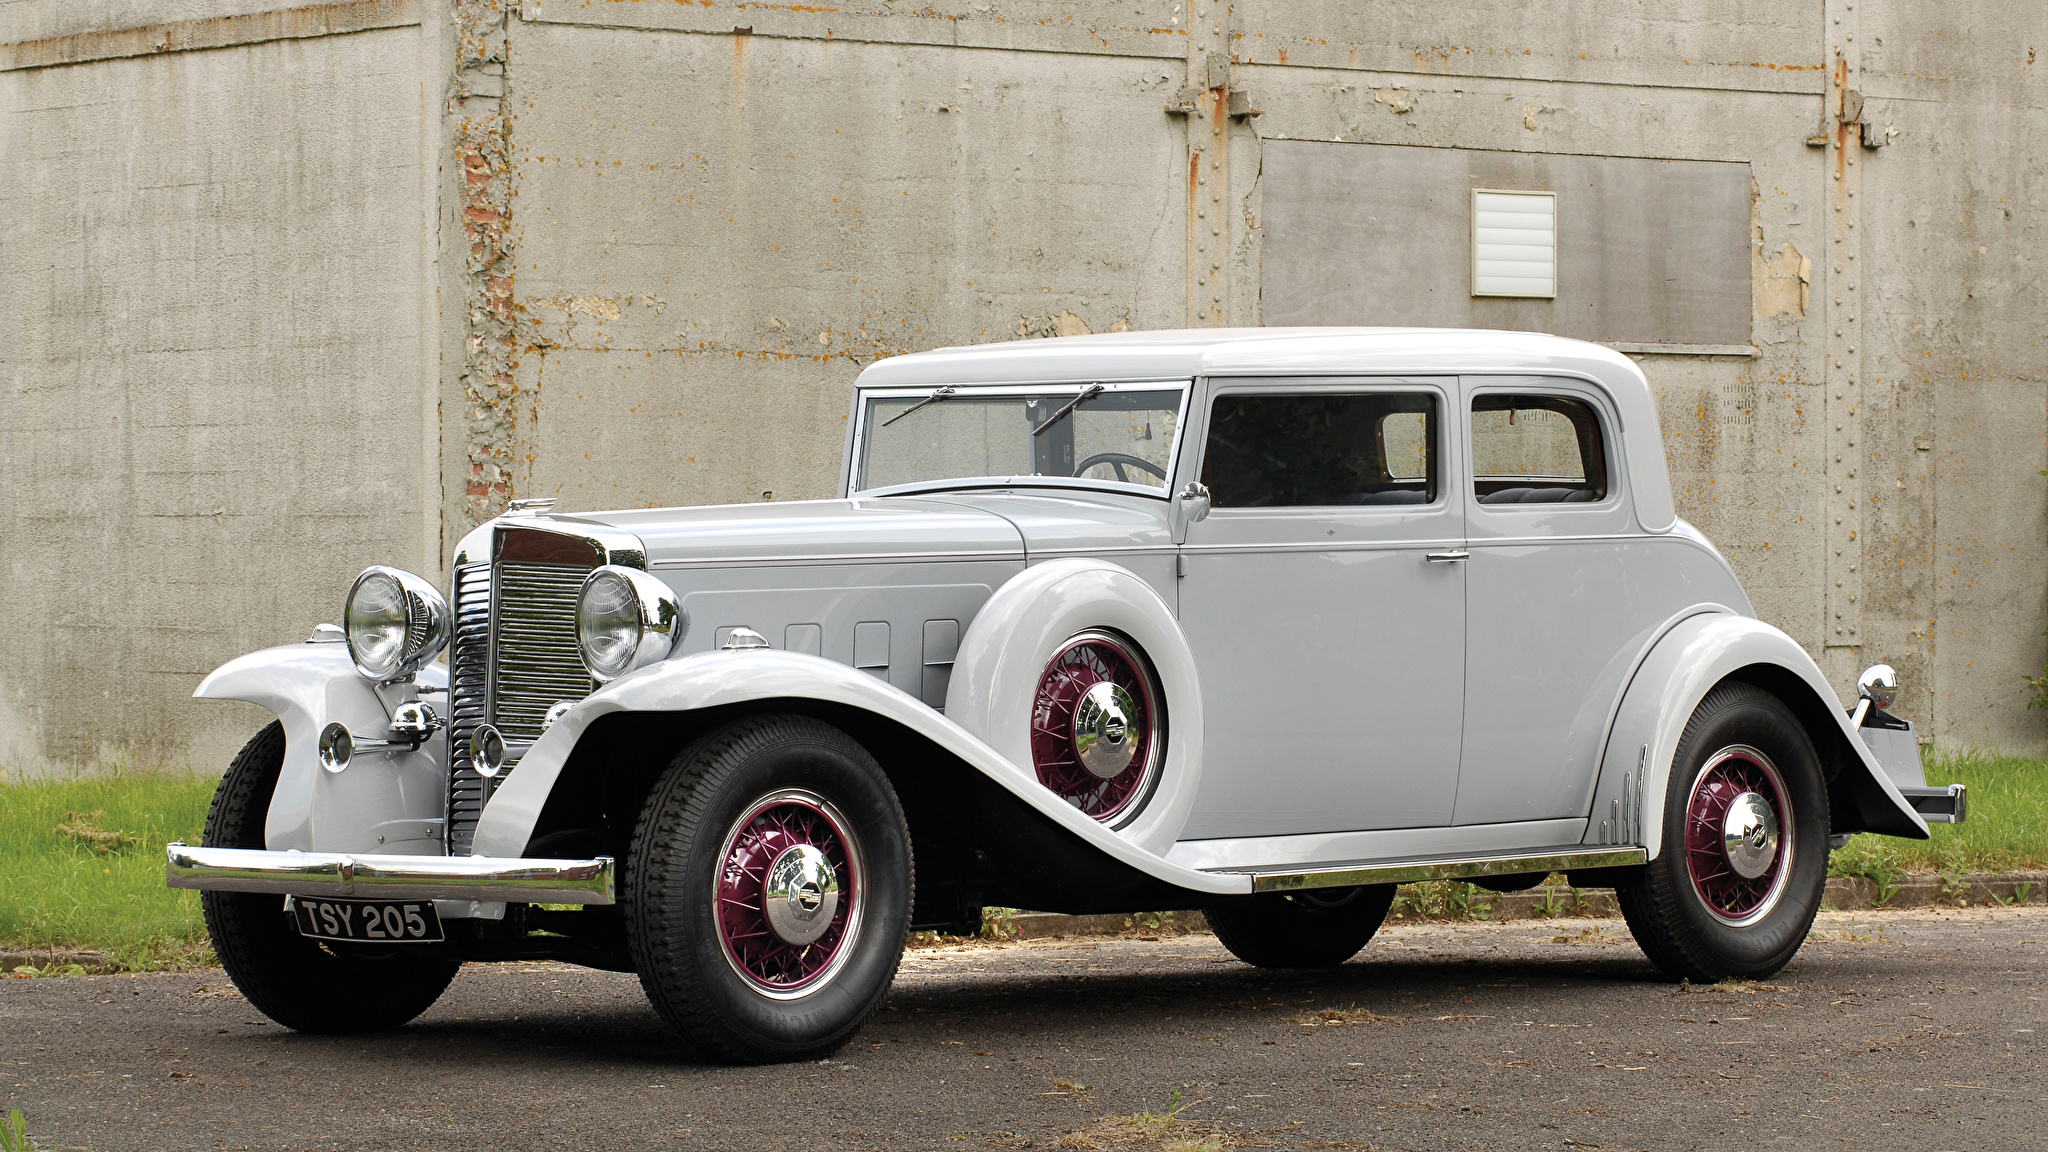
[
  {"x": 82, "y": 860},
  {"x": 2007, "y": 829},
  {"x": 82, "y": 866}
]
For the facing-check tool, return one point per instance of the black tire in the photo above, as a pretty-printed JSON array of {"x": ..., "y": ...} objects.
[
  {"x": 1319, "y": 928},
  {"x": 285, "y": 976},
  {"x": 705, "y": 803},
  {"x": 1669, "y": 913}
]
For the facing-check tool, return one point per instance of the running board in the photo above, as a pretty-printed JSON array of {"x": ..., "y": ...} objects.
[{"x": 1562, "y": 859}]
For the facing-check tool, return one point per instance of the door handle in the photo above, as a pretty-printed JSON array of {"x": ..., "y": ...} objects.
[{"x": 1454, "y": 556}]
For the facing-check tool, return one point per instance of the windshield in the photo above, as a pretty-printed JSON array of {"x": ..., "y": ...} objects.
[{"x": 1110, "y": 432}]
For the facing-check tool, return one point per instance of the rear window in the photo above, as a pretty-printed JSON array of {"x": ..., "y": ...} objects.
[{"x": 1533, "y": 449}]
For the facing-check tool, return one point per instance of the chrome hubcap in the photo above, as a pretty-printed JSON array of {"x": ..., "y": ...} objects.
[
  {"x": 1102, "y": 730},
  {"x": 788, "y": 897},
  {"x": 1740, "y": 836},
  {"x": 801, "y": 895},
  {"x": 1749, "y": 835},
  {"x": 1098, "y": 725}
]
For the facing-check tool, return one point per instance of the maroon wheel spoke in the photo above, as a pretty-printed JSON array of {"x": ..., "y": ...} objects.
[
  {"x": 784, "y": 939},
  {"x": 1096, "y": 686},
  {"x": 1737, "y": 835}
]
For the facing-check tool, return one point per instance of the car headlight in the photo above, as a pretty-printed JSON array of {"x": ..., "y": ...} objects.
[
  {"x": 395, "y": 622},
  {"x": 625, "y": 619}
]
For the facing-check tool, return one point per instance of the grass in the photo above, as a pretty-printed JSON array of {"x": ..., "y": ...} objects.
[
  {"x": 14, "y": 1133},
  {"x": 2007, "y": 829},
  {"x": 81, "y": 860},
  {"x": 82, "y": 866}
]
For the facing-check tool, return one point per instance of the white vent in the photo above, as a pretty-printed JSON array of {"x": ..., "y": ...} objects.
[{"x": 1514, "y": 243}]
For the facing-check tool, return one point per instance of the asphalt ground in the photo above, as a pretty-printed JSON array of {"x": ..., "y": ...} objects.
[{"x": 1911, "y": 1030}]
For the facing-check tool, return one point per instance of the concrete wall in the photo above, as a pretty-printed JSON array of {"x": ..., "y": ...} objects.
[
  {"x": 633, "y": 254},
  {"x": 705, "y": 263},
  {"x": 215, "y": 391},
  {"x": 1647, "y": 251}
]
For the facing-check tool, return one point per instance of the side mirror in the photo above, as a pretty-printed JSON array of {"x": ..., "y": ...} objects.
[{"x": 1194, "y": 502}]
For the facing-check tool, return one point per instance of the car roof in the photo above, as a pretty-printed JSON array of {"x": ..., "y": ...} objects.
[
  {"x": 1236, "y": 351},
  {"x": 1183, "y": 353}
]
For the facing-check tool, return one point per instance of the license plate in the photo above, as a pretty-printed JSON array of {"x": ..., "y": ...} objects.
[{"x": 368, "y": 921}]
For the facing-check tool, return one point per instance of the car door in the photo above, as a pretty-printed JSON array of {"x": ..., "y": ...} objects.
[
  {"x": 1330, "y": 645},
  {"x": 1552, "y": 607}
]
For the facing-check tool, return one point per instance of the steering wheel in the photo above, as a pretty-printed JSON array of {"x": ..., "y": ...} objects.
[{"x": 1117, "y": 460}]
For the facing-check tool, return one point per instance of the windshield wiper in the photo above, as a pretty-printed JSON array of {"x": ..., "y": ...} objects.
[
  {"x": 1088, "y": 393},
  {"x": 938, "y": 394}
]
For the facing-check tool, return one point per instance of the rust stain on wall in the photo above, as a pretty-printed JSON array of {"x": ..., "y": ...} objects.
[{"x": 489, "y": 341}]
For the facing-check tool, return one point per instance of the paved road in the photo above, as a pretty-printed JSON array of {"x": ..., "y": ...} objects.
[{"x": 1892, "y": 1030}]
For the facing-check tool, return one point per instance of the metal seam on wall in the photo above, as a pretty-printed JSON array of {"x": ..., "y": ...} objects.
[
  {"x": 213, "y": 32},
  {"x": 992, "y": 32},
  {"x": 1843, "y": 522}
]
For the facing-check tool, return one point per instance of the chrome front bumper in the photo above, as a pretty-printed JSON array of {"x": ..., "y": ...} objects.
[{"x": 396, "y": 877}]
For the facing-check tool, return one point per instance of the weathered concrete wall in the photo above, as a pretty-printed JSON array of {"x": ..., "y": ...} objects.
[
  {"x": 706, "y": 192},
  {"x": 705, "y": 263},
  {"x": 634, "y": 253},
  {"x": 214, "y": 394},
  {"x": 1956, "y": 397}
]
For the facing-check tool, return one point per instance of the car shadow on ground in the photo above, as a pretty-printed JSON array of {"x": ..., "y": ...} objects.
[{"x": 575, "y": 1017}]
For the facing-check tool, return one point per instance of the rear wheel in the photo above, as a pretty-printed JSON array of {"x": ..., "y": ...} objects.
[
  {"x": 1744, "y": 861},
  {"x": 1319, "y": 928},
  {"x": 288, "y": 977},
  {"x": 768, "y": 890}
]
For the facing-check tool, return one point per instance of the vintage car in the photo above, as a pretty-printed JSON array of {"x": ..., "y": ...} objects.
[{"x": 1261, "y": 622}]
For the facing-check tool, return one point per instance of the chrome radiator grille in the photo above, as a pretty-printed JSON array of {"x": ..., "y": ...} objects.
[
  {"x": 534, "y": 659},
  {"x": 469, "y": 661},
  {"x": 514, "y": 655}
]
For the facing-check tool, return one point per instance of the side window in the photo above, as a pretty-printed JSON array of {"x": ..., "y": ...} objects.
[
  {"x": 1537, "y": 450},
  {"x": 1321, "y": 449}
]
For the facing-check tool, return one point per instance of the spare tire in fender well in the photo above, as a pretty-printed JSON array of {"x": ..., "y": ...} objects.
[{"x": 1007, "y": 648}]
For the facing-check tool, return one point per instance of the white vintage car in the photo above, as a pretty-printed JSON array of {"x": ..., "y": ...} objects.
[{"x": 1261, "y": 622}]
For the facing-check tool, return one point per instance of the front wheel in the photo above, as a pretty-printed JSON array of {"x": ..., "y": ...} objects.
[
  {"x": 1744, "y": 863},
  {"x": 1319, "y": 928},
  {"x": 768, "y": 890},
  {"x": 288, "y": 977}
]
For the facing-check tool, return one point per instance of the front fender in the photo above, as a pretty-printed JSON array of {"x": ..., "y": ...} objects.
[
  {"x": 1694, "y": 656},
  {"x": 384, "y": 802},
  {"x": 715, "y": 679}
]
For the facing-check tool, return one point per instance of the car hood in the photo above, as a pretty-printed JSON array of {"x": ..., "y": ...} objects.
[{"x": 892, "y": 528}]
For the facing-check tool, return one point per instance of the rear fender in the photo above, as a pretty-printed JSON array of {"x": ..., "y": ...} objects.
[
  {"x": 384, "y": 801},
  {"x": 1694, "y": 656},
  {"x": 729, "y": 679}
]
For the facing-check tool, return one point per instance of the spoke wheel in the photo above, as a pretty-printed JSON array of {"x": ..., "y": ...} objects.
[
  {"x": 1097, "y": 730},
  {"x": 767, "y": 890},
  {"x": 1741, "y": 867},
  {"x": 1735, "y": 849},
  {"x": 789, "y": 893}
]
